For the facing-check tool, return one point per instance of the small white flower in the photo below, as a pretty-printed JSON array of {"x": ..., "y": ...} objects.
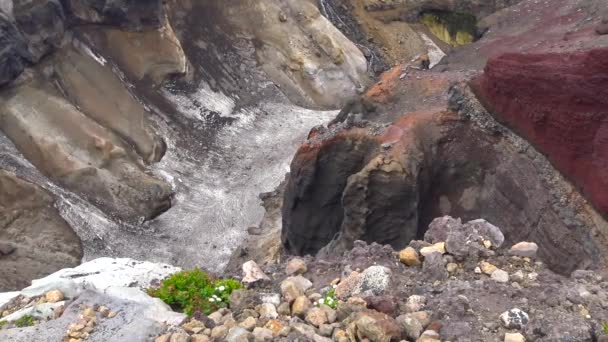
[
  {"x": 221, "y": 288},
  {"x": 211, "y": 300},
  {"x": 321, "y": 301},
  {"x": 335, "y": 286}
]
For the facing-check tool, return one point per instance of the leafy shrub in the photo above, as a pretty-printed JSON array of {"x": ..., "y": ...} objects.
[
  {"x": 25, "y": 321},
  {"x": 194, "y": 291},
  {"x": 329, "y": 299},
  {"x": 605, "y": 327}
]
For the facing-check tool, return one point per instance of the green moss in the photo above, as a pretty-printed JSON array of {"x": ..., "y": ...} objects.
[
  {"x": 453, "y": 28},
  {"x": 194, "y": 291},
  {"x": 605, "y": 327},
  {"x": 25, "y": 321},
  {"x": 3, "y": 323}
]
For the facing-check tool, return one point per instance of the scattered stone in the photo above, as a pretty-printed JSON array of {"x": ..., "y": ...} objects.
[
  {"x": 375, "y": 327},
  {"x": 316, "y": 317},
  {"x": 163, "y": 338},
  {"x": 179, "y": 337},
  {"x": 268, "y": 310},
  {"x": 451, "y": 267},
  {"x": 500, "y": 276},
  {"x": 374, "y": 281},
  {"x": 410, "y": 325},
  {"x": 429, "y": 336},
  {"x": 6, "y": 248},
  {"x": 300, "y": 306},
  {"x": 219, "y": 332},
  {"x": 199, "y": 338},
  {"x": 284, "y": 309},
  {"x": 487, "y": 268},
  {"x": 262, "y": 334},
  {"x": 252, "y": 273},
  {"x": 274, "y": 326},
  {"x": 295, "y": 266},
  {"x": 524, "y": 250},
  {"x": 439, "y": 247},
  {"x": 112, "y": 314},
  {"x": 194, "y": 326},
  {"x": 433, "y": 267},
  {"x": 415, "y": 303},
  {"x": 514, "y": 337},
  {"x": 348, "y": 285},
  {"x": 384, "y": 304},
  {"x": 409, "y": 257},
  {"x": 514, "y": 319},
  {"x": 54, "y": 296},
  {"x": 290, "y": 291},
  {"x": 249, "y": 323},
  {"x": 238, "y": 334}
]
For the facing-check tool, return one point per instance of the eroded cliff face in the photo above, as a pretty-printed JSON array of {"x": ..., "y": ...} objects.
[
  {"x": 34, "y": 239},
  {"x": 558, "y": 102}
]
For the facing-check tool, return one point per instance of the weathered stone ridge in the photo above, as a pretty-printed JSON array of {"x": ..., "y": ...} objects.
[{"x": 558, "y": 102}]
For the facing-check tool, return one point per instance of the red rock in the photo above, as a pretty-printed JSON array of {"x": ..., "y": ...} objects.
[{"x": 558, "y": 102}]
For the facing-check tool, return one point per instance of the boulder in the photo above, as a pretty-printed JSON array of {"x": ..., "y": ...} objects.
[
  {"x": 42, "y": 24},
  {"x": 15, "y": 55}
]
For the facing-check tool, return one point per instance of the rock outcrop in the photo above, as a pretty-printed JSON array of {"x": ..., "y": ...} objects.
[
  {"x": 384, "y": 184},
  {"x": 559, "y": 103},
  {"x": 34, "y": 240}
]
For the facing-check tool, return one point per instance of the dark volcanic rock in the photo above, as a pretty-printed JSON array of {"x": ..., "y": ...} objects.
[
  {"x": 14, "y": 54},
  {"x": 559, "y": 102},
  {"x": 133, "y": 14},
  {"x": 42, "y": 23}
]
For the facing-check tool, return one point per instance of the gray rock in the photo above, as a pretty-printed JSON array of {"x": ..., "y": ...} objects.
[
  {"x": 434, "y": 268},
  {"x": 14, "y": 55},
  {"x": 43, "y": 25},
  {"x": 252, "y": 273},
  {"x": 124, "y": 13},
  {"x": 262, "y": 334},
  {"x": 237, "y": 334},
  {"x": 411, "y": 327},
  {"x": 500, "y": 276}
]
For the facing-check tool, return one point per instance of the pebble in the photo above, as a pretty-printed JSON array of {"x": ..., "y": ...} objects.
[
  {"x": 409, "y": 257},
  {"x": 252, "y": 273},
  {"x": 514, "y": 319},
  {"x": 54, "y": 296},
  {"x": 268, "y": 310},
  {"x": 262, "y": 334},
  {"x": 219, "y": 332},
  {"x": 439, "y": 247},
  {"x": 249, "y": 323},
  {"x": 524, "y": 249},
  {"x": 514, "y": 337},
  {"x": 415, "y": 303},
  {"x": 487, "y": 268},
  {"x": 500, "y": 276},
  {"x": 316, "y": 317}
]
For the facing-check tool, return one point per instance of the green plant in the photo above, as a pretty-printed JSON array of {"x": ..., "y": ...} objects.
[
  {"x": 605, "y": 327},
  {"x": 3, "y": 323},
  {"x": 25, "y": 321},
  {"x": 329, "y": 299},
  {"x": 194, "y": 291}
]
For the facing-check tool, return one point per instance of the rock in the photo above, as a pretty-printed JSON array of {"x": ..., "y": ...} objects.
[
  {"x": 411, "y": 326},
  {"x": 347, "y": 286},
  {"x": 439, "y": 247},
  {"x": 6, "y": 248},
  {"x": 216, "y": 317},
  {"x": 429, "y": 336},
  {"x": 15, "y": 55},
  {"x": 242, "y": 299},
  {"x": 302, "y": 283},
  {"x": 514, "y": 319},
  {"x": 433, "y": 267},
  {"x": 194, "y": 326},
  {"x": 409, "y": 256},
  {"x": 268, "y": 310},
  {"x": 451, "y": 267},
  {"x": 163, "y": 338},
  {"x": 54, "y": 296},
  {"x": 237, "y": 334},
  {"x": 438, "y": 228},
  {"x": 179, "y": 337},
  {"x": 514, "y": 337},
  {"x": 274, "y": 326},
  {"x": 536, "y": 110},
  {"x": 219, "y": 332},
  {"x": 524, "y": 249},
  {"x": 249, "y": 323},
  {"x": 423, "y": 317},
  {"x": 284, "y": 309},
  {"x": 262, "y": 334},
  {"x": 120, "y": 13},
  {"x": 300, "y": 306},
  {"x": 374, "y": 280},
  {"x": 316, "y": 317},
  {"x": 500, "y": 276},
  {"x": 376, "y": 327},
  {"x": 487, "y": 268},
  {"x": 252, "y": 273},
  {"x": 295, "y": 266},
  {"x": 290, "y": 291},
  {"x": 330, "y": 313},
  {"x": 486, "y": 231},
  {"x": 415, "y": 303},
  {"x": 200, "y": 338},
  {"x": 384, "y": 304}
]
